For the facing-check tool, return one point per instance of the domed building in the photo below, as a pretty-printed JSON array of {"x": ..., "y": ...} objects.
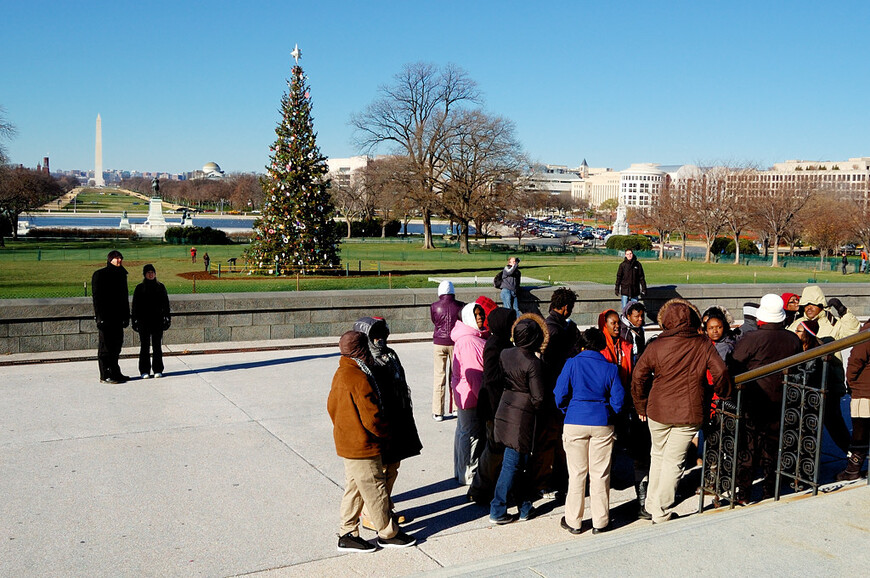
[{"x": 210, "y": 170}]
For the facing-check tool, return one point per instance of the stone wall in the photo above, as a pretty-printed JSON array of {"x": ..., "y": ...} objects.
[{"x": 34, "y": 325}]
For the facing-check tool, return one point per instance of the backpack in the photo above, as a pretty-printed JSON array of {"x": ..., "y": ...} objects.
[{"x": 496, "y": 282}]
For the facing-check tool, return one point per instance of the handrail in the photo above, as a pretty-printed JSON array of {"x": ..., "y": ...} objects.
[{"x": 810, "y": 354}]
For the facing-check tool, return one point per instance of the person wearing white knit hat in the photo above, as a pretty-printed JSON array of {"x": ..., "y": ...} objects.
[
  {"x": 770, "y": 310},
  {"x": 444, "y": 314}
]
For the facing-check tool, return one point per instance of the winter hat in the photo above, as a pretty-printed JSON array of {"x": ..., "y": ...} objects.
[
  {"x": 468, "y": 314},
  {"x": 770, "y": 310},
  {"x": 148, "y": 267},
  {"x": 786, "y": 297},
  {"x": 445, "y": 288},
  {"x": 488, "y": 306},
  {"x": 811, "y": 326},
  {"x": 750, "y": 309}
]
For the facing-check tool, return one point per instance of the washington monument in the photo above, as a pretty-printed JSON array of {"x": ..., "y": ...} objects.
[{"x": 98, "y": 156}]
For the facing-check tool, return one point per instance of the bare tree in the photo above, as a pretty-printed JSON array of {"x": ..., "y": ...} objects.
[
  {"x": 705, "y": 198},
  {"x": 7, "y": 132},
  {"x": 247, "y": 193},
  {"x": 413, "y": 116},
  {"x": 776, "y": 208},
  {"x": 349, "y": 200},
  {"x": 742, "y": 182},
  {"x": 660, "y": 214},
  {"x": 388, "y": 184},
  {"x": 23, "y": 189},
  {"x": 481, "y": 161},
  {"x": 821, "y": 222}
]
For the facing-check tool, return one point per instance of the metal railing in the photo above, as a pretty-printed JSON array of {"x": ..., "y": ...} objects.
[{"x": 801, "y": 425}]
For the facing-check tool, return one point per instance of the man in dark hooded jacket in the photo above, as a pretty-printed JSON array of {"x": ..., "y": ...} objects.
[
  {"x": 500, "y": 322},
  {"x": 151, "y": 318},
  {"x": 403, "y": 441},
  {"x": 112, "y": 314}
]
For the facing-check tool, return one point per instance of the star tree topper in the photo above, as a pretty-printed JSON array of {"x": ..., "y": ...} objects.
[{"x": 296, "y": 54}]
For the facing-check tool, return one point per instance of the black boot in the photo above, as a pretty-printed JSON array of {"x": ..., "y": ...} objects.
[
  {"x": 642, "y": 514},
  {"x": 853, "y": 467}
]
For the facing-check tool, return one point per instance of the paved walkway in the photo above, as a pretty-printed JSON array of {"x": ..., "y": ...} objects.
[{"x": 226, "y": 467}]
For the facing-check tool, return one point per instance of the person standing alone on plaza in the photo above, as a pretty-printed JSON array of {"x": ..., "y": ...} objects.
[
  {"x": 444, "y": 313},
  {"x": 630, "y": 280},
  {"x": 112, "y": 314},
  {"x": 151, "y": 318},
  {"x": 510, "y": 284}
]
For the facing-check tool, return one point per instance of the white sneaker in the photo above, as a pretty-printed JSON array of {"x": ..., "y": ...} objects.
[
  {"x": 146, "y": 376},
  {"x": 158, "y": 375}
]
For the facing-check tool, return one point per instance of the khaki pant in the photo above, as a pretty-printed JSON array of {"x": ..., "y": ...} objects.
[
  {"x": 443, "y": 362},
  {"x": 670, "y": 443},
  {"x": 589, "y": 450},
  {"x": 391, "y": 472},
  {"x": 366, "y": 485}
]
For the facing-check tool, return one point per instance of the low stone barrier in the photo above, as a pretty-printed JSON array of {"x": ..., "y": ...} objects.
[{"x": 37, "y": 325}]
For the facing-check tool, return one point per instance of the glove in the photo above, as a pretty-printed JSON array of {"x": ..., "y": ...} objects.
[
  {"x": 837, "y": 306},
  {"x": 167, "y": 321},
  {"x": 616, "y": 292},
  {"x": 135, "y": 326}
]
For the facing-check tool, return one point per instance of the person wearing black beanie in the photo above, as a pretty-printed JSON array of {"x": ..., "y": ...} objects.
[{"x": 151, "y": 317}]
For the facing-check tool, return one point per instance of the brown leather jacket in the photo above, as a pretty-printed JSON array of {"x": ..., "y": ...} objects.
[
  {"x": 669, "y": 383},
  {"x": 857, "y": 371}
]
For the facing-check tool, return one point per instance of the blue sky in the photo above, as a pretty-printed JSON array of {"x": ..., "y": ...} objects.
[{"x": 179, "y": 84}]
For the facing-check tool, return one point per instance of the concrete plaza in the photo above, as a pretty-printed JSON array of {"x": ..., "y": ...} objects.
[{"x": 227, "y": 467}]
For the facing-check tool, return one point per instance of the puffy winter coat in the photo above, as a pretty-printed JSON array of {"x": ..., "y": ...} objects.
[
  {"x": 769, "y": 343},
  {"x": 511, "y": 277},
  {"x": 669, "y": 383},
  {"x": 524, "y": 385},
  {"x": 359, "y": 427},
  {"x": 857, "y": 371},
  {"x": 589, "y": 390},
  {"x": 467, "y": 373},
  {"x": 829, "y": 326},
  {"x": 501, "y": 321},
  {"x": 630, "y": 279},
  {"x": 150, "y": 306},
  {"x": 444, "y": 313}
]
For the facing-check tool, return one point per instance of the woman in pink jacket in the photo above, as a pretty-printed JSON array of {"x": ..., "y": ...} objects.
[{"x": 469, "y": 336}]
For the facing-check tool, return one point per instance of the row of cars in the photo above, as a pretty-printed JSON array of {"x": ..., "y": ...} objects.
[{"x": 552, "y": 228}]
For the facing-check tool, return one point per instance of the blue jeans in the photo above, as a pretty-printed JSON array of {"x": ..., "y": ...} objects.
[
  {"x": 510, "y": 301},
  {"x": 625, "y": 300},
  {"x": 512, "y": 477}
]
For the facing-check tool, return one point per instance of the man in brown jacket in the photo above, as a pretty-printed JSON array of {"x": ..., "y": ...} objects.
[
  {"x": 670, "y": 391},
  {"x": 360, "y": 430}
]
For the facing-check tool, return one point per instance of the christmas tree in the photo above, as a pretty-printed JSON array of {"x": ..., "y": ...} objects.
[{"x": 295, "y": 232}]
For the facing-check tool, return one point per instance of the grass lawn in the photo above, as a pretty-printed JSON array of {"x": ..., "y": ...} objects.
[
  {"x": 107, "y": 201},
  {"x": 62, "y": 269}
]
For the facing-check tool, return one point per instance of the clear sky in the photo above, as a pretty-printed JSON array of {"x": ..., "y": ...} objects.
[{"x": 182, "y": 83}]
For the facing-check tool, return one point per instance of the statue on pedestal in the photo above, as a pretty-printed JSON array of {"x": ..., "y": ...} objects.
[
  {"x": 620, "y": 226},
  {"x": 155, "y": 187}
]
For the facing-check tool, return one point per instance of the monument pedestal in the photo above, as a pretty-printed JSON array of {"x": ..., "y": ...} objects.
[{"x": 155, "y": 225}]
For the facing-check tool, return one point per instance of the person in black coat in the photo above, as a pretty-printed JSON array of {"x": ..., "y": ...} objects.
[
  {"x": 112, "y": 314},
  {"x": 403, "y": 440},
  {"x": 517, "y": 411},
  {"x": 151, "y": 318},
  {"x": 630, "y": 280},
  {"x": 500, "y": 321}
]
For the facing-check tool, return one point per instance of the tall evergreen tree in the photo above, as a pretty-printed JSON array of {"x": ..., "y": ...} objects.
[{"x": 296, "y": 231}]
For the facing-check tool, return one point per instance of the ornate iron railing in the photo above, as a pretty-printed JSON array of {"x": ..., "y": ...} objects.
[{"x": 801, "y": 428}]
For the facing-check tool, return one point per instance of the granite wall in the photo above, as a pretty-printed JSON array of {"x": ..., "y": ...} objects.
[{"x": 34, "y": 325}]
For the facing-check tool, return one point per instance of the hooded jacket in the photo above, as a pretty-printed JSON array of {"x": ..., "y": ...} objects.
[
  {"x": 618, "y": 352},
  {"x": 524, "y": 384},
  {"x": 857, "y": 371},
  {"x": 634, "y": 337},
  {"x": 669, "y": 383},
  {"x": 403, "y": 438},
  {"x": 354, "y": 406},
  {"x": 110, "y": 296},
  {"x": 589, "y": 390},
  {"x": 467, "y": 373},
  {"x": 829, "y": 326},
  {"x": 501, "y": 321},
  {"x": 444, "y": 314},
  {"x": 511, "y": 278},
  {"x": 630, "y": 279}
]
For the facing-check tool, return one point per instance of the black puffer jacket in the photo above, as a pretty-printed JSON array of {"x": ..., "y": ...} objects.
[
  {"x": 403, "y": 440},
  {"x": 501, "y": 321},
  {"x": 150, "y": 306},
  {"x": 630, "y": 279},
  {"x": 524, "y": 385},
  {"x": 110, "y": 296}
]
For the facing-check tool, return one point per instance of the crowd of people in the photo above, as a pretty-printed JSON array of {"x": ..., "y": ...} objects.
[{"x": 541, "y": 405}]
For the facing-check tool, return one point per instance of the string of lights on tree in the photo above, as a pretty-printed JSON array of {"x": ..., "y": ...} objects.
[{"x": 295, "y": 232}]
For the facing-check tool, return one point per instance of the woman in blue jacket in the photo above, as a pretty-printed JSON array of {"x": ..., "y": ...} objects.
[{"x": 589, "y": 393}]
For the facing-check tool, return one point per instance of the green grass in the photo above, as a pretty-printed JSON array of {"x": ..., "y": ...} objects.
[
  {"x": 61, "y": 269},
  {"x": 107, "y": 201}
]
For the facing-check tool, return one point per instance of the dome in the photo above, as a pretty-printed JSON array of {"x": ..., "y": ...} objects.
[{"x": 211, "y": 168}]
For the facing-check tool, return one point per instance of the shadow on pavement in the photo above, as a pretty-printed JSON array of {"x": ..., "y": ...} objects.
[{"x": 255, "y": 364}]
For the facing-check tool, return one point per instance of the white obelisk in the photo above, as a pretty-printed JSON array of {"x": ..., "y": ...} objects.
[{"x": 98, "y": 154}]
